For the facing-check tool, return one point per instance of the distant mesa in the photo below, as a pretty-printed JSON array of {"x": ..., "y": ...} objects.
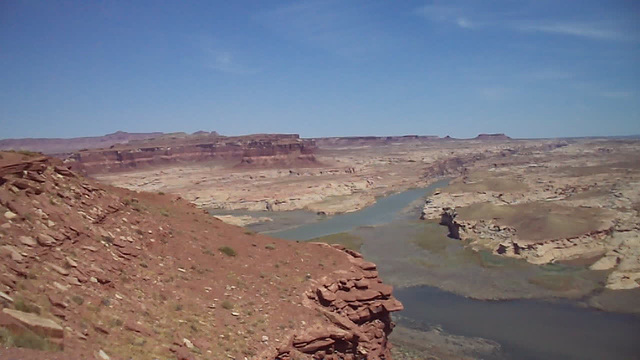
[
  {"x": 255, "y": 151},
  {"x": 492, "y": 137},
  {"x": 205, "y": 133},
  {"x": 122, "y": 150},
  {"x": 372, "y": 140},
  {"x": 61, "y": 146}
]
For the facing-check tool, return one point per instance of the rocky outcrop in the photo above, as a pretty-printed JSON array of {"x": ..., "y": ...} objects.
[
  {"x": 358, "y": 306},
  {"x": 263, "y": 150},
  {"x": 447, "y": 218},
  {"x": 453, "y": 166},
  {"x": 91, "y": 270},
  {"x": 19, "y": 322}
]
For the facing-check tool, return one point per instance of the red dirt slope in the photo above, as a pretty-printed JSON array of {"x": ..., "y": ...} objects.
[{"x": 109, "y": 273}]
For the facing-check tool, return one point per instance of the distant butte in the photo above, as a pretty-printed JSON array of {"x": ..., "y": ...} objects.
[
  {"x": 492, "y": 137},
  {"x": 64, "y": 146}
]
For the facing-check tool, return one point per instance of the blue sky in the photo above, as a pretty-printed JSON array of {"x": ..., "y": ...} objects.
[{"x": 320, "y": 68}]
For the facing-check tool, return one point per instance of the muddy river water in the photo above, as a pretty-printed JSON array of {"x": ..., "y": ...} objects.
[{"x": 532, "y": 312}]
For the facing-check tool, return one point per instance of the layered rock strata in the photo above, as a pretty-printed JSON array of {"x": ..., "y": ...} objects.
[
  {"x": 253, "y": 150},
  {"x": 358, "y": 306}
]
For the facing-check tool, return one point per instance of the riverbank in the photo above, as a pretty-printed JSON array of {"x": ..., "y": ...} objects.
[
  {"x": 412, "y": 254},
  {"x": 576, "y": 204}
]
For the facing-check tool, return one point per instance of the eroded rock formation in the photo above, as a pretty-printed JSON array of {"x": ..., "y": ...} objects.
[
  {"x": 358, "y": 306},
  {"x": 447, "y": 218},
  {"x": 262, "y": 150},
  {"x": 550, "y": 203}
]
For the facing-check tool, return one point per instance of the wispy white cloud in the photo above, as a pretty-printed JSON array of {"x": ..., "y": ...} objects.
[
  {"x": 334, "y": 26},
  {"x": 469, "y": 16},
  {"x": 596, "y": 89},
  {"x": 616, "y": 94},
  {"x": 548, "y": 74},
  {"x": 446, "y": 14},
  {"x": 494, "y": 93},
  {"x": 585, "y": 30},
  {"x": 465, "y": 23},
  {"x": 217, "y": 55},
  {"x": 224, "y": 61}
]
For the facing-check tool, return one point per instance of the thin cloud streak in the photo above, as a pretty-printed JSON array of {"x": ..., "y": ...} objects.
[
  {"x": 548, "y": 74},
  {"x": 616, "y": 94},
  {"x": 333, "y": 26},
  {"x": 466, "y": 17},
  {"x": 494, "y": 93},
  {"x": 465, "y": 23},
  {"x": 574, "y": 29},
  {"x": 223, "y": 61},
  {"x": 446, "y": 14}
]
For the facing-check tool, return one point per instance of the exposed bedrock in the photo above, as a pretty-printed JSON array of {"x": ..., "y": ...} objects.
[
  {"x": 253, "y": 150},
  {"x": 358, "y": 306},
  {"x": 67, "y": 242},
  {"x": 447, "y": 218}
]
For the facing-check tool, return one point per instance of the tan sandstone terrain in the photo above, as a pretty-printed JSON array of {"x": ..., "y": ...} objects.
[
  {"x": 347, "y": 174},
  {"x": 575, "y": 203},
  {"x": 90, "y": 271}
]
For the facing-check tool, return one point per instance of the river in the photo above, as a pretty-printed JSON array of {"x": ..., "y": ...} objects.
[{"x": 420, "y": 260}]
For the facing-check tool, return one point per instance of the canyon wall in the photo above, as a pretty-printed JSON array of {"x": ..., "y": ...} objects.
[{"x": 252, "y": 150}]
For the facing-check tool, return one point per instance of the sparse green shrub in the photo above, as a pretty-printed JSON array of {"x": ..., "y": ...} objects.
[
  {"x": 21, "y": 305},
  {"x": 270, "y": 247},
  {"x": 26, "y": 339},
  {"x": 138, "y": 207},
  {"x": 28, "y": 153},
  {"x": 228, "y": 251},
  {"x": 227, "y": 305},
  {"x": 108, "y": 239},
  {"x": 115, "y": 322}
]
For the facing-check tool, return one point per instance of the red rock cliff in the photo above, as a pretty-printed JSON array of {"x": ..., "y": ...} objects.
[{"x": 256, "y": 150}]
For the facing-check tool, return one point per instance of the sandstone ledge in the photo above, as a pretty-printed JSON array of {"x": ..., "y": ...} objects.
[{"x": 357, "y": 306}]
